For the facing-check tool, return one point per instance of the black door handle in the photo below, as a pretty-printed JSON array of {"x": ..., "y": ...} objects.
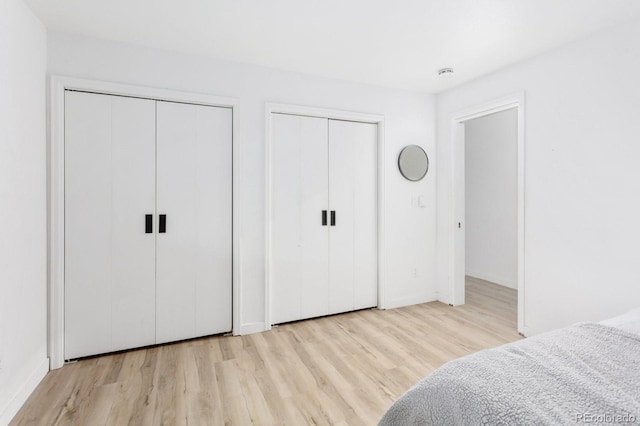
[
  {"x": 162, "y": 226},
  {"x": 324, "y": 218},
  {"x": 148, "y": 223},
  {"x": 333, "y": 218}
]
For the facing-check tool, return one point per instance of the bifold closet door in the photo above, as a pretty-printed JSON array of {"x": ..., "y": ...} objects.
[
  {"x": 353, "y": 237},
  {"x": 194, "y": 205},
  {"x": 109, "y": 252},
  {"x": 299, "y": 229}
]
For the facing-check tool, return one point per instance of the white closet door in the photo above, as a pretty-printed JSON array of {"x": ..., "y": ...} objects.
[
  {"x": 194, "y": 178},
  {"x": 299, "y": 240},
  {"x": 352, "y": 196},
  {"x": 109, "y": 258}
]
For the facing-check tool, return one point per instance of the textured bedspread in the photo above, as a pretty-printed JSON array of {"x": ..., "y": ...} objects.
[{"x": 586, "y": 373}]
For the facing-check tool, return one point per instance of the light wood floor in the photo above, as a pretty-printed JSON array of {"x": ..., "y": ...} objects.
[{"x": 344, "y": 369}]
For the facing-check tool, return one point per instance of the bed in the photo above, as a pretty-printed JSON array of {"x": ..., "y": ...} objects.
[{"x": 585, "y": 373}]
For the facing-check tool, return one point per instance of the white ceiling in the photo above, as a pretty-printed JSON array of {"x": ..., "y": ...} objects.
[{"x": 395, "y": 43}]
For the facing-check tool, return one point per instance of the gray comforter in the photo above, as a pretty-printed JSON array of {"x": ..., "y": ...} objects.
[{"x": 586, "y": 373}]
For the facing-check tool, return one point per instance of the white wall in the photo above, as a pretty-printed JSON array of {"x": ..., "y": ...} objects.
[
  {"x": 23, "y": 226},
  {"x": 491, "y": 197},
  {"x": 410, "y": 231},
  {"x": 582, "y": 178}
]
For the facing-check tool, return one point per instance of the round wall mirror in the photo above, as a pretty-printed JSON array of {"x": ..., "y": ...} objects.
[{"x": 413, "y": 163}]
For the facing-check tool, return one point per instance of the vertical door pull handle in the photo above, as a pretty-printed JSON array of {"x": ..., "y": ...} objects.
[
  {"x": 324, "y": 218},
  {"x": 162, "y": 226},
  {"x": 148, "y": 223},
  {"x": 333, "y": 218}
]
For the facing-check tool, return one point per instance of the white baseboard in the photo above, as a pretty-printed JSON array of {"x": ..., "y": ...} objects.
[
  {"x": 528, "y": 331},
  {"x": 408, "y": 301},
  {"x": 443, "y": 298},
  {"x": 496, "y": 279},
  {"x": 21, "y": 396},
  {"x": 252, "y": 327}
]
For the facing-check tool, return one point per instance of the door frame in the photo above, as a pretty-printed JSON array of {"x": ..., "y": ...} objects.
[
  {"x": 55, "y": 216},
  {"x": 378, "y": 119},
  {"x": 457, "y": 206}
]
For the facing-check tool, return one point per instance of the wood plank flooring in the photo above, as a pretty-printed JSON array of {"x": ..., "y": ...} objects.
[{"x": 343, "y": 369}]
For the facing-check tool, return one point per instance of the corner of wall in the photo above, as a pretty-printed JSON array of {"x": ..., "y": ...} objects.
[{"x": 24, "y": 391}]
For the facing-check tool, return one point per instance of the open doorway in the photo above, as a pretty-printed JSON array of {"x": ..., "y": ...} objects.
[
  {"x": 491, "y": 216},
  {"x": 488, "y": 207}
]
